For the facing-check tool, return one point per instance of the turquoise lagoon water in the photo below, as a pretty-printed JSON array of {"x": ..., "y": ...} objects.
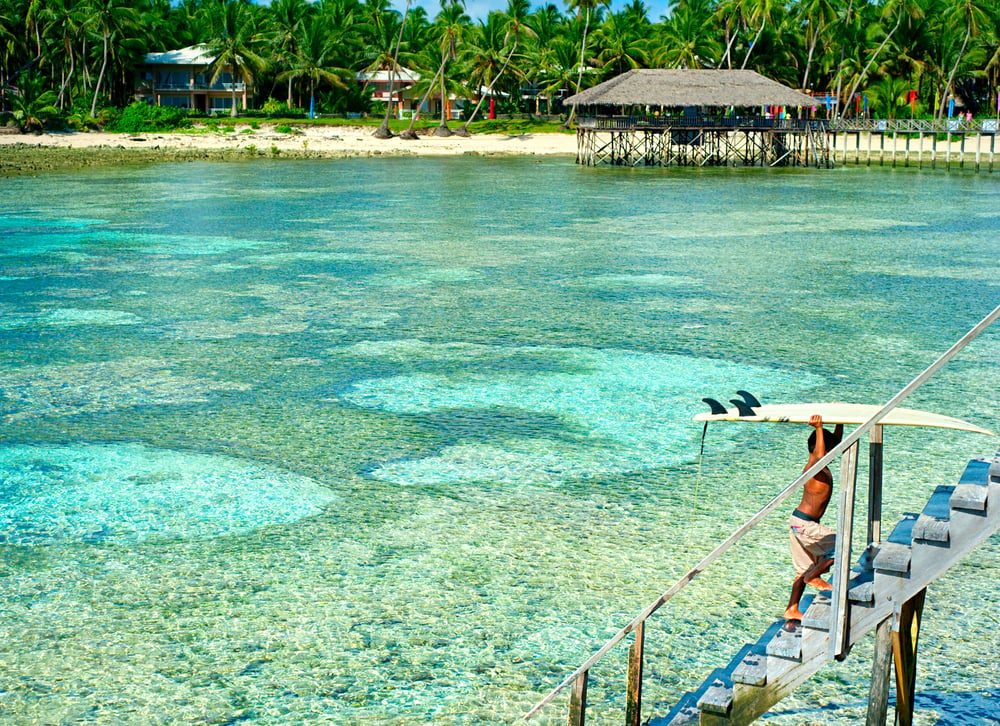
[{"x": 403, "y": 441}]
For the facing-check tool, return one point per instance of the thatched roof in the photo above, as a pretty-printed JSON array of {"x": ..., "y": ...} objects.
[{"x": 661, "y": 87}]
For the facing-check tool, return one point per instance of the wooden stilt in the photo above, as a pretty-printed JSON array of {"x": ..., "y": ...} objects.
[
  {"x": 878, "y": 693},
  {"x": 904, "y": 647},
  {"x": 633, "y": 695},
  {"x": 578, "y": 701},
  {"x": 875, "y": 484}
]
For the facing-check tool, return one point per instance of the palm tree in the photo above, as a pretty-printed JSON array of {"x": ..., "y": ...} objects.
[
  {"x": 688, "y": 38},
  {"x": 314, "y": 59},
  {"x": 817, "y": 15},
  {"x": 514, "y": 23},
  {"x": 758, "y": 11},
  {"x": 32, "y": 104},
  {"x": 383, "y": 132},
  {"x": 889, "y": 95},
  {"x": 621, "y": 47},
  {"x": 233, "y": 44},
  {"x": 451, "y": 25},
  {"x": 63, "y": 23},
  {"x": 899, "y": 9},
  {"x": 972, "y": 15},
  {"x": 557, "y": 65},
  {"x": 584, "y": 7},
  {"x": 109, "y": 18},
  {"x": 426, "y": 60},
  {"x": 287, "y": 18}
]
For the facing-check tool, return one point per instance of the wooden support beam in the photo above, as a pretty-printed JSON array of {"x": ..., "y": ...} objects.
[
  {"x": 578, "y": 701},
  {"x": 875, "y": 484},
  {"x": 904, "y": 648},
  {"x": 633, "y": 695},
  {"x": 878, "y": 693}
]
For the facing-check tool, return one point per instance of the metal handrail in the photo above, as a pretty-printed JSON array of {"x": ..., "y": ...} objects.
[{"x": 738, "y": 534}]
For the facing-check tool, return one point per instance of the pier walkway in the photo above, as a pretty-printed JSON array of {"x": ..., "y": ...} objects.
[{"x": 732, "y": 140}]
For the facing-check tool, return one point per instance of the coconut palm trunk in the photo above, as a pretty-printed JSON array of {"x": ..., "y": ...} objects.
[
  {"x": 954, "y": 69},
  {"x": 100, "y": 77},
  {"x": 463, "y": 130},
  {"x": 579, "y": 77},
  {"x": 864, "y": 72},
  {"x": 383, "y": 132},
  {"x": 409, "y": 133}
]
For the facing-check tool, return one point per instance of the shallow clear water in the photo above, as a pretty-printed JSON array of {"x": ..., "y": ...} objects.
[{"x": 404, "y": 441}]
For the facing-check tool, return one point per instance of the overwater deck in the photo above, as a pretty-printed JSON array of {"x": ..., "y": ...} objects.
[{"x": 703, "y": 140}]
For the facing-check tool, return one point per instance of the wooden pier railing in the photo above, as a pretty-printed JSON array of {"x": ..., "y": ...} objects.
[
  {"x": 702, "y": 139},
  {"x": 839, "y": 616}
]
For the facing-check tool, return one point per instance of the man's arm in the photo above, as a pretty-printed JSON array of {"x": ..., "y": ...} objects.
[{"x": 819, "y": 448}]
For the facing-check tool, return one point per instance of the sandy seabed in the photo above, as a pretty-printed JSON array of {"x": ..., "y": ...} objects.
[{"x": 319, "y": 141}]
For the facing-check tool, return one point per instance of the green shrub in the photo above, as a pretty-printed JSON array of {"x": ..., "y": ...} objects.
[
  {"x": 283, "y": 129},
  {"x": 142, "y": 118},
  {"x": 273, "y": 107}
]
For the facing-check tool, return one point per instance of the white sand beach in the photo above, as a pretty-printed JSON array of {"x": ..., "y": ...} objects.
[{"x": 332, "y": 140}]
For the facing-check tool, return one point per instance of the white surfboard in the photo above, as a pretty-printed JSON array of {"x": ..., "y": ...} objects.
[{"x": 843, "y": 413}]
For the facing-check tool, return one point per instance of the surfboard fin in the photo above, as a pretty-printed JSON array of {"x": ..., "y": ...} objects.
[
  {"x": 715, "y": 405},
  {"x": 751, "y": 399},
  {"x": 742, "y": 407}
]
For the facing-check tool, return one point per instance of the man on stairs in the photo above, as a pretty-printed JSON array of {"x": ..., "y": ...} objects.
[{"x": 813, "y": 543}]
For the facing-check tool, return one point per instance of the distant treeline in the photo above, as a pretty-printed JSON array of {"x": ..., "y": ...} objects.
[{"x": 76, "y": 59}]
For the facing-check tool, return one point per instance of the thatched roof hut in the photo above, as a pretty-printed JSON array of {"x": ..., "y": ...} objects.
[{"x": 671, "y": 88}]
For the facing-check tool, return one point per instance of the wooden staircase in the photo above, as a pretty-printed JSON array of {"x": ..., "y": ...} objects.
[{"x": 920, "y": 549}]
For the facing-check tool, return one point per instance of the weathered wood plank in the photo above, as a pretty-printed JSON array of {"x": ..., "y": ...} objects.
[
  {"x": 878, "y": 693},
  {"x": 752, "y": 670},
  {"x": 973, "y": 487},
  {"x": 786, "y": 643},
  {"x": 933, "y": 524},
  {"x": 717, "y": 698},
  {"x": 894, "y": 554},
  {"x": 817, "y": 615}
]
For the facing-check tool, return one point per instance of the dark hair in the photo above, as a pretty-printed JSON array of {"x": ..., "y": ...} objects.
[{"x": 830, "y": 439}]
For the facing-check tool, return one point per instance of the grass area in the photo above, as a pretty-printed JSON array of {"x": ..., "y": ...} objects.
[{"x": 485, "y": 126}]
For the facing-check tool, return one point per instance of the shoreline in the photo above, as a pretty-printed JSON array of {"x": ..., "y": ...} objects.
[{"x": 30, "y": 153}]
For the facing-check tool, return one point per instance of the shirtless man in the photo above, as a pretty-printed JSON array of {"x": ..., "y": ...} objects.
[{"x": 813, "y": 543}]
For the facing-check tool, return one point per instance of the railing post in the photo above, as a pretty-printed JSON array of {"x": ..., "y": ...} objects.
[
  {"x": 839, "y": 636},
  {"x": 633, "y": 695},
  {"x": 578, "y": 701},
  {"x": 875, "y": 484}
]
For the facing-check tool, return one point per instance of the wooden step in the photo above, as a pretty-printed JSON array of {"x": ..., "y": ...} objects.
[
  {"x": 752, "y": 670},
  {"x": 973, "y": 487},
  {"x": 817, "y": 615},
  {"x": 786, "y": 643},
  {"x": 718, "y": 697},
  {"x": 933, "y": 523},
  {"x": 685, "y": 713},
  {"x": 894, "y": 554}
]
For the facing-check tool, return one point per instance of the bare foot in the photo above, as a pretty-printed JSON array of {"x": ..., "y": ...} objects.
[
  {"x": 792, "y": 613},
  {"x": 820, "y": 584}
]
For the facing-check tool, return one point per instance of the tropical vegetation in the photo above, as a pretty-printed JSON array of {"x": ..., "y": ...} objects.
[{"x": 78, "y": 60}]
